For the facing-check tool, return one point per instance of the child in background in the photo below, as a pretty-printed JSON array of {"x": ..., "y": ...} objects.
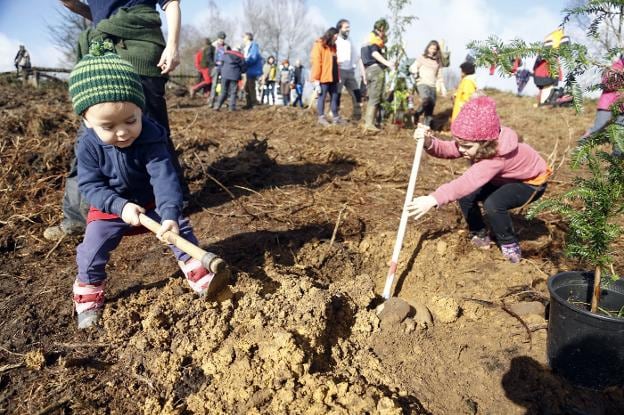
[
  {"x": 612, "y": 83},
  {"x": 269, "y": 76},
  {"x": 467, "y": 86},
  {"x": 504, "y": 174},
  {"x": 124, "y": 169},
  {"x": 286, "y": 77}
]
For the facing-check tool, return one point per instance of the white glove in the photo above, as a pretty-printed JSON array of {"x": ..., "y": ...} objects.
[
  {"x": 421, "y": 131},
  {"x": 167, "y": 225},
  {"x": 130, "y": 214},
  {"x": 421, "y": 205}
]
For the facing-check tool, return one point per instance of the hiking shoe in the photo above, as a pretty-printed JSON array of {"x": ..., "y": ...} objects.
[
  {"x": 512, "y": 252},
  {"x": 338, "y": 121},
  {"x": 89, "y": 303},
  {"x": 323, "y": 121},
  {"x": 202, "y": 281},
  {"x": 481, "y": 240},
  {"x": 56, "y": 232}
]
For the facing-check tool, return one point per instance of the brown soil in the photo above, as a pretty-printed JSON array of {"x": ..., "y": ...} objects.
[{"x": 298, "y": 331}]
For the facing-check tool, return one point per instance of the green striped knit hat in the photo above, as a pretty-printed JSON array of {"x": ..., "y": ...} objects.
[{"x": 102, "y": 76}]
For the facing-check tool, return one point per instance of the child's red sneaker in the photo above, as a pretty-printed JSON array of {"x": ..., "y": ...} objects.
[{"x": 89, "y": 303}]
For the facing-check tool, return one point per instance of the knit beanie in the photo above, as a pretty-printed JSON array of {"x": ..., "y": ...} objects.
[
  {"x": 477, "y": 120},
  {"x": 102, "y": 76}
]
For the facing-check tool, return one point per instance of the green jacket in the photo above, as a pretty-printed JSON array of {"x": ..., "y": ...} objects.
[{"x": 136, "y": 34}]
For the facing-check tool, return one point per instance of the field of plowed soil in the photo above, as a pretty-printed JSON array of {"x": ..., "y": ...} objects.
[{"x": 306, "y": 217}]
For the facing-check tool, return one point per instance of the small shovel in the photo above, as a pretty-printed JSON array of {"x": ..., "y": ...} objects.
[{"x": 208, "y": 260}]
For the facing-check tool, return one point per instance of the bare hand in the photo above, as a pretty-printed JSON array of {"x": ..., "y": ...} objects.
[
  {"x": 169, "y": 60},
  {"x": 168, "y": 225},
  {"x": 130, "y": 214}
]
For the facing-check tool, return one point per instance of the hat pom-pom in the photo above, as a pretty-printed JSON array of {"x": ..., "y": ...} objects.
[{"x": 101, "y": 47}]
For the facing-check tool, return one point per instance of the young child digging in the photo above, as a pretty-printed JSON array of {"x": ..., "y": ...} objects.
[
  {"x": 124, "y": 169},
  {"x": 504, "y": 174}
]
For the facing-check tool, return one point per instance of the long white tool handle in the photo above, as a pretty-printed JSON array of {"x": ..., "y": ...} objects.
[{"x": 403, "y": 224}]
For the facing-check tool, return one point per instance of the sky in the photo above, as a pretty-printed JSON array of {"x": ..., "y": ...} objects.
[{"x": 455, "y": 21}]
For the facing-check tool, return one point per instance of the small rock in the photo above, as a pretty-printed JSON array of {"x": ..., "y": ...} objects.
[
  {"x": 423, "y": 316},
  {"x": 410, "y": 325},
  {"x": 441, "y": 247},
  {"x": 393, "y": 312},
  {"x": 526, "y": 308},
  {"x": 445, "y": 309}
]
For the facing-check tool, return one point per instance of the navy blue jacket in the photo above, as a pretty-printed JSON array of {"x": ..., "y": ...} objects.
[
  {"x": 109, "y": 177},
  {"x": 233, "y": 66},
  {"x": 103, "y": 9}
]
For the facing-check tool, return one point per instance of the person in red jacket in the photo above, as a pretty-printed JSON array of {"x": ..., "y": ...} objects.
[
  {"x": 204, "y": 62},
  {"x": 504, "y": 174},
  {"x": 325, "y": 75}
]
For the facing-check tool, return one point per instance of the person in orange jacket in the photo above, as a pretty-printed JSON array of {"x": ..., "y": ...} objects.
[{"x": 325, "y": 75}]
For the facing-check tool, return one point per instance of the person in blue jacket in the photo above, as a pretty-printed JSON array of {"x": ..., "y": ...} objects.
[
  {"x": 254, "y": 62},
  {"x": 232, "y": 71},
  {"x": 125, "y": 169}
]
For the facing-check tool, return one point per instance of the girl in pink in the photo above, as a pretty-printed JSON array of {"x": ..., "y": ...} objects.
[
  {"x": 612, "y": 83},
  {"x": 504, "y": 174}
]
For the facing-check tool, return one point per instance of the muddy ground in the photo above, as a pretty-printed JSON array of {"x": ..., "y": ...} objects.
[{"x": 297, "y": 332}]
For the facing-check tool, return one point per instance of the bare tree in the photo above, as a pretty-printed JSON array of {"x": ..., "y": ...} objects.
[
  {"x": 609, "y": 30},
  {"x": 215, "y": 22},
  {"x": 64, "y": 34},
  {"x": 191, "y": 40},
  {"x": 281, "y": 27}
]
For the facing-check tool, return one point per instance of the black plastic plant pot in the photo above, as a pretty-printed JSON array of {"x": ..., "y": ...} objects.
[{"x": 585, "y": 348}]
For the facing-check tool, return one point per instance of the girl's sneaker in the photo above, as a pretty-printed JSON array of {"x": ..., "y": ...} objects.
[
  {"x": 202, "y": 281},
  {"x": 512, "y": 252},
  {"x": 481, "y": 240},
  {"x": 89, "y": 303}
]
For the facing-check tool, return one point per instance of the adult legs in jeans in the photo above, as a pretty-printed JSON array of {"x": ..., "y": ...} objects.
[
  {"x": 250, "y": 91},
  {"x": 330, "y": 88},
  {"x": 228, "y": 89},
  {"x": 285, "y": 90},
  {"x": 497, "y": 200},
  {"x": 270, "y": 92},
  {"x": 427, "y": 96},
  {"x": 347, "y": 80},
  {"x": 75, "y": 208},
  {"x": 374, "y": 88},
  {"x": 299, "y": 97},
  {"x": 214, "y": 74}
]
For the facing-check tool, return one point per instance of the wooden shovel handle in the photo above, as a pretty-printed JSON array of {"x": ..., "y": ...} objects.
[{"x": 209, "y": 260}]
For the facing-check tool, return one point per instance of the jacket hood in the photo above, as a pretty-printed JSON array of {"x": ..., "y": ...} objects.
[{"x": 507, "y": 141}]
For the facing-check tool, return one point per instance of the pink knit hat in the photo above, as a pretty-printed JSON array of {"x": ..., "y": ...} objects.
[{"x": 477, "y": 121}]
